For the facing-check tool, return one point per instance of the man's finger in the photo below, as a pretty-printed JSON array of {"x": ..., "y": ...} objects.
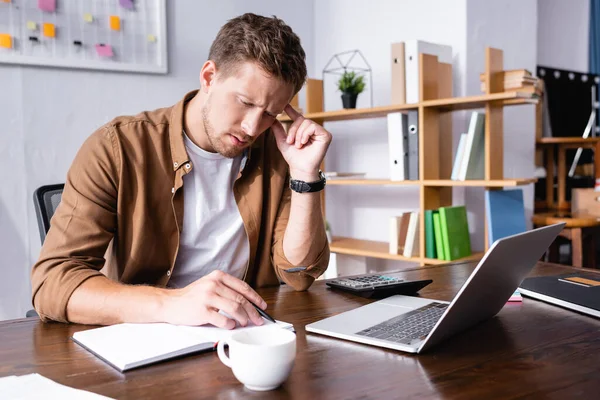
[
  {"x": 238, "y": 298},
  {"x": 220, "y": 321},
  {"x": 245, "y": 289},
  {"x": 293, "y": 114},
  {"x": 279, "y": 131}
]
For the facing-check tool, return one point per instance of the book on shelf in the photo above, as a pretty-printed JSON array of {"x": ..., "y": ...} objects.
[
  {"x": 430, "y": 250},
  {"x": 398, "y": 232},
  {"x": 447, "y": 233},
  {"x": 472, "y": 160},
  {"x": 519, "y": 80},
  {"x": 460, "y": 151},
  {"x": 404, "y": 234},
  {"x": 455, "y": 232},
  {"x": 437, "y": 234},
  {"x": 411, "y": 245},
  {"x": 505, "y": 213}
]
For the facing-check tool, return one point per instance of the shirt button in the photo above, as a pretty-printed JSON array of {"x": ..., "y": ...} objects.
[
  {"x": 173, "y": 190},
  {"x": 175, "y": 164},
  {"x": 187, "y": 166},
  {"x": 168, "y": 273}
]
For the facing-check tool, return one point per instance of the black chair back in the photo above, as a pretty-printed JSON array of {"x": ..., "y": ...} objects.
[{"x": 46, "y": 200}]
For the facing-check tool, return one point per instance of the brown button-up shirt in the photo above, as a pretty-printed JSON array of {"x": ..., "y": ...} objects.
[{"x": 121, "y": 212}]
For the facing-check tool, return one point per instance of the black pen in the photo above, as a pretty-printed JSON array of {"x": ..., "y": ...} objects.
[{"x": 262, "y": 313}]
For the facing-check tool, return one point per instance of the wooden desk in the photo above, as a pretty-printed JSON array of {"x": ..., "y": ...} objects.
[{"x": 530, "y": 350}]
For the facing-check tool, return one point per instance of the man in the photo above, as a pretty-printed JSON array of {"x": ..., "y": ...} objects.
[{"x": 174, "y": 215}]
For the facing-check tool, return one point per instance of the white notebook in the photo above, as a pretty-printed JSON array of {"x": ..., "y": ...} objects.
[
  {"x": 127, "y": 346},
  {"x": 36, "y": 386}
]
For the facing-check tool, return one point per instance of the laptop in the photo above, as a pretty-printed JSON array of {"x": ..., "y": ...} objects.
[{"x": 415, "y": 324}]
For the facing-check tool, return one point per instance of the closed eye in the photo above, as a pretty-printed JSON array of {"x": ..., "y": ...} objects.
[{"x": 268, "y": 114}]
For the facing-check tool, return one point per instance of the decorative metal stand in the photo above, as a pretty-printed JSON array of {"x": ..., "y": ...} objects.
[{"x": 343, "y": 67}]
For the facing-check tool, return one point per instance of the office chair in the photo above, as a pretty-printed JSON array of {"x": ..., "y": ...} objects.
[{"x": 46, "y": 200}]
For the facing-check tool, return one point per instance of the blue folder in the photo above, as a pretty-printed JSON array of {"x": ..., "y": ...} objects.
[{"x": 505, "y": 213}]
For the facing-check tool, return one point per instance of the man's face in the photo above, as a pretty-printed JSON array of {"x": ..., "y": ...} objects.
[{"x": 240, "y": 107}]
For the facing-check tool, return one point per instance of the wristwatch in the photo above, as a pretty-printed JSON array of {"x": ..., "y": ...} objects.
[{"x": 308, "y": 187}]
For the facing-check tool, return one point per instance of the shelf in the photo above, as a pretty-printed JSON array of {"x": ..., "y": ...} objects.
[
  {"x": 480, "y": 182},
  {"x": 370, "y": 248},
  {"x": 566, "y": 140},
  {"x": 371, "y": 182},
  {"x": 452, "y": 103},
  {"x": 472, "y": 102},
  {"x": 435, "y": 261},
  {"x": 356, "y": 113},
  {"x": 435, "y": 182},
  {"x": 366, "y": 248}
]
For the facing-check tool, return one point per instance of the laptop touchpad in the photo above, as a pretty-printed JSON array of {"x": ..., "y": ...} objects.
[{"x": 360, "y": 318}]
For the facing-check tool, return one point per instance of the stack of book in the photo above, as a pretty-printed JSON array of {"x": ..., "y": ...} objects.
[
  {"x": 518, "y": 80},
  {"x": 404, "y": 234},
  {"x": 447, "y": 233},
  {"x": 469, "y": 160}
]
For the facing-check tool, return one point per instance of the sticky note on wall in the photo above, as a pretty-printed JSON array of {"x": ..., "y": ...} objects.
[
  {"x": 5, "y": 41},
  {"x": 115, "y": 23},
  {"x": 128, "y": 4},
  {"x": 87, "y": 17},
  {"x": 32, "y": 26},
  {"x": 104, "y": 50},
  {"x": 47, "y": 5},
  {"x": 49, "y": 30},
  {"x": 151, "y": 38}
]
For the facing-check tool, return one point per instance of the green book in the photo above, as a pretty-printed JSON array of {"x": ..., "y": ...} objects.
[
  {"x": 437, "y": 231},
  {"x": 455, "y": 232},
  {"x": 430, "y": 250}
]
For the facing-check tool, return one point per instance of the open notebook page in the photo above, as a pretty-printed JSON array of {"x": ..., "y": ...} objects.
[{"x": 126, "y": 346}]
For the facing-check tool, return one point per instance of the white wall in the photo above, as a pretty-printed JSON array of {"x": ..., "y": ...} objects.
[
  {"x": 563, "y": 29},
  {"x": 47, "y": 113}
]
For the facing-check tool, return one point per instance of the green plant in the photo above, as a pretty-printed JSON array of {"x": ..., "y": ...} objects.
[{"x": 352, "y": 83}]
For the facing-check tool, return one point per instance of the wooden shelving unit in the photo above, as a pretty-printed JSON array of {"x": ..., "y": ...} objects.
[
  {"x": 434, "y": 182},
  {"x": 555, "y": 148},
  {"x": 435, "y": 144}
]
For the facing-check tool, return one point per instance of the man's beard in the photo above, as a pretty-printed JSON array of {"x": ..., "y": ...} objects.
[{"x": 215, "y": 141}]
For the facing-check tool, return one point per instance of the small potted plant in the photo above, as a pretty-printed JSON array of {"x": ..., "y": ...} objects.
[{"x": 350, "y": 84}]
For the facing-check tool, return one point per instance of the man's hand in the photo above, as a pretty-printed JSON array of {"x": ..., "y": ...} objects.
[
  {"x": 304, "y": 146},
  {"x": 199, "y": 302}
]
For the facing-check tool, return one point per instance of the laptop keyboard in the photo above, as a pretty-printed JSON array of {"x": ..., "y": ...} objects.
[{"x": 407, "y": 327}]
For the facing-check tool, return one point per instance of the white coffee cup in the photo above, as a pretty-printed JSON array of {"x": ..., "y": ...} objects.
[{"x": 261, "y": 359}]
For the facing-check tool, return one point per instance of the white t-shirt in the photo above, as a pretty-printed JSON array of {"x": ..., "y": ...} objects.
[{"x": 213, "y": 235}]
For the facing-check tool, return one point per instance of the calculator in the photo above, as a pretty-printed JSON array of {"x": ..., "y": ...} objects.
[{"x": 377, "y": 285}]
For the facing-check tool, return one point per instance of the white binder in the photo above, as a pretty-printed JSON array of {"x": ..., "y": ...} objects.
[{"x": 398, "y": 145}]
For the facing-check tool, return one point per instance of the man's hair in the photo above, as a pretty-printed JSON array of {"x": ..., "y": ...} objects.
[{"x": 268, "y": 42}]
